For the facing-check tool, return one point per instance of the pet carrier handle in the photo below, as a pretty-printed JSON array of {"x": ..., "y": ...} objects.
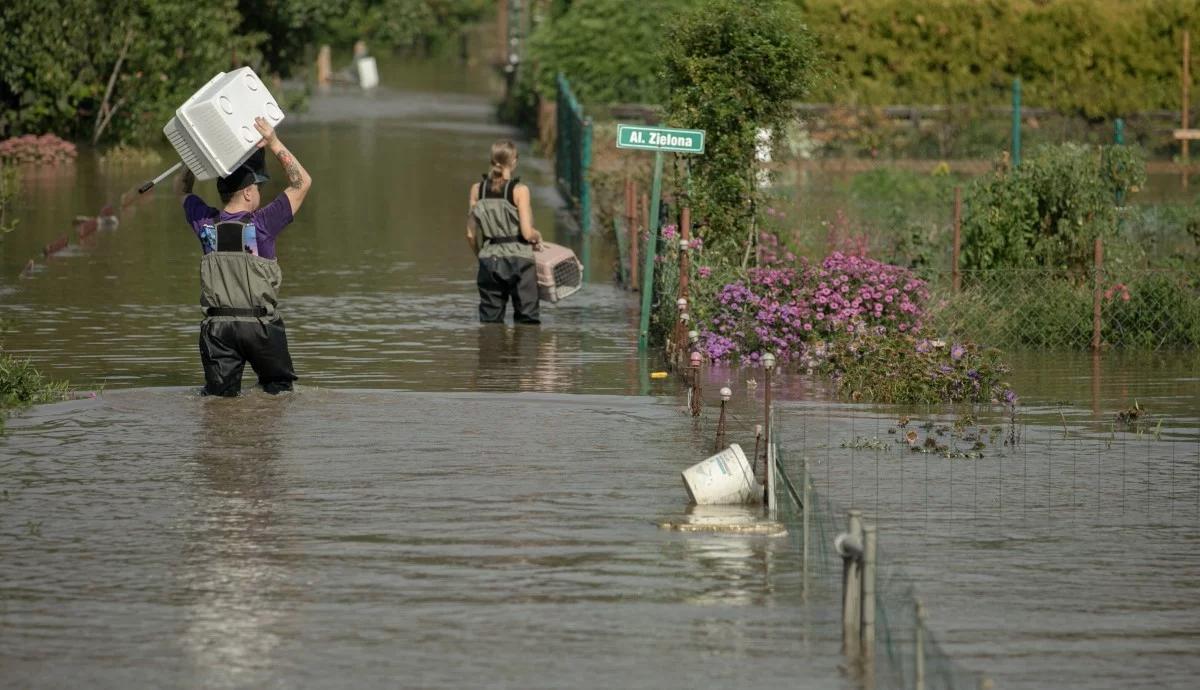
[{"x": 164, "y": 175}]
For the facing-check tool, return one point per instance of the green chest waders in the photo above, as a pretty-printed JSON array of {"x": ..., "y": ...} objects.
[
  {"x": 506, "y": 266},
  {"x": 239, "y": 293}
]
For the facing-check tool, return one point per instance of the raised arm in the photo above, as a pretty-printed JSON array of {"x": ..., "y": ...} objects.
[
  {"x": 472, "y": 240},
  {"x": 299, "y": 181},
  {"x": 525, "y": 212},
  {"x": 183, "y": 183}
]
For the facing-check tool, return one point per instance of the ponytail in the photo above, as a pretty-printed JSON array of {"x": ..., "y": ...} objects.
[{"x": 504, "y": 156}]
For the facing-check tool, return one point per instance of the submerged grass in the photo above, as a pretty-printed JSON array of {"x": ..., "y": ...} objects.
[{"x": 22, "y": 385}]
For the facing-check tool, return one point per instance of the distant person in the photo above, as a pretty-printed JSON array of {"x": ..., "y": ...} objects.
[
  {"x": 239, "y": 276},
  {"x": 500, "y": 231}
]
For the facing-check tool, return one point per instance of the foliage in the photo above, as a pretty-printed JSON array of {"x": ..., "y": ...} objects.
[
  {"x": 1100, "y": 58},
  {"x": 913, "y": 369},
  {"x": 22, "y": 385},
  {"x": 778, "y": 308},
  {"x": 59, "y": 55},
  {"x": 1153, "y": 310},
  {"x": 1048, "y": 211},
  {"x": 10, "y": 186},
  {"x": 44, "y": 150},
  {"x": 124, "y": 154},
  {"x": 733, "y": 68},
  {"x": 607, "y": 48}
]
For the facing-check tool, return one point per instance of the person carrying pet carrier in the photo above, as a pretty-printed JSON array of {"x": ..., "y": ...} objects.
[
  {"x": 500, "y": 231},
  {"x": 239, "y": 274}
]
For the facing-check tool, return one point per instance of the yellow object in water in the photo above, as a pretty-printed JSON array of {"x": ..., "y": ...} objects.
[{"x": 658, "y": 374}]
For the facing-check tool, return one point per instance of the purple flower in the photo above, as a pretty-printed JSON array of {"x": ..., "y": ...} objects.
[
  {"x": 704, "y": 271},
  {"x": 957, "y": 352}
]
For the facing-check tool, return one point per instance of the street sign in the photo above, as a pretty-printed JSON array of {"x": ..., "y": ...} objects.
[{"x": 660, "y": 139}]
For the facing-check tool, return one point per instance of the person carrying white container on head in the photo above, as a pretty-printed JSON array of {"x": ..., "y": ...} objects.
[
  {"x": 500, "y": 231},
  {"x": 239, "y": 273}
]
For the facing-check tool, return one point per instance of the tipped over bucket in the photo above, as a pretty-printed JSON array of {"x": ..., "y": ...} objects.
[{"x": 725, "y": 478}]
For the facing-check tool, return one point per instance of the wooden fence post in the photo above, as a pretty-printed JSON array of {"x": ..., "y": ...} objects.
[
  {"x": 1096, "y": 294},
  {"x": 956, "y": 279}
]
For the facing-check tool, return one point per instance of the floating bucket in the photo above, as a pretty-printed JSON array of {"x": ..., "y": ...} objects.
[{"x": 725, "y": 478}]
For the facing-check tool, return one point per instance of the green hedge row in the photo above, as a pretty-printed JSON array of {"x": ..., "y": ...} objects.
[{"x": 1098, "y": 58}]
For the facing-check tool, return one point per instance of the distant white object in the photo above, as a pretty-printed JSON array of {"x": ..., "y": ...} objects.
[
  {"x": 725, "y": 478},
  {"x": 559, "y": 273},
  {"x": 213, "y": 131},
  {"x": 368, "y": 72}
]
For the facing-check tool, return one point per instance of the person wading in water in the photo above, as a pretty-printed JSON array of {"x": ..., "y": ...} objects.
[
  {"x": 239, "y": 276},
  {"x": 500, "y": 231}
]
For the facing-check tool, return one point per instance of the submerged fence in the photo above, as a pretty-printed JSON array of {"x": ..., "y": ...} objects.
[
  {"x": 573, "y": 153},
  {"x": 979, "y": 514}
]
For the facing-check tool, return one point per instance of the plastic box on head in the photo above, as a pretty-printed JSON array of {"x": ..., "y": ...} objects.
[
  {"x": 559, "y": 273},
  {"x": 213, "y": 131}
]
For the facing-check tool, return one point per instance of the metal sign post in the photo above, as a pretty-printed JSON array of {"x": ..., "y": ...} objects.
[{"x": 659, "y": 140}]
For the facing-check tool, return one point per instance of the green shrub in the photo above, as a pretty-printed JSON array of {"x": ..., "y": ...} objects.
[
  {"x": 732, "y": 68},
  {"x": 1099, "y": 58},
  {"x": 1048, "y": 211},
  {"x": 609, "y": 49}
]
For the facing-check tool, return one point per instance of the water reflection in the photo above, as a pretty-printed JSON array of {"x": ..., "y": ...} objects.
[
  {"x": 230, "y": 574},
  {"x": 523, "y": 358}
]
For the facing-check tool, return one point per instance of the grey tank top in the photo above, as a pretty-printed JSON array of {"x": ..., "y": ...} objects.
[{"x": 496, "y": 218}]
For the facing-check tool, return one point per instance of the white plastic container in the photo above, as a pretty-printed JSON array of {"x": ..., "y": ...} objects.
[
  {"x": 213, "y": 131},
  {"x": 368, "y": 72},
  {"x": 559, "y": 273},
  {"x": 723, "y": 479}
]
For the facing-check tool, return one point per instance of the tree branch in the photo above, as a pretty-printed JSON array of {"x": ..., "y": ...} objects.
[{"x": 105, "y": 114}]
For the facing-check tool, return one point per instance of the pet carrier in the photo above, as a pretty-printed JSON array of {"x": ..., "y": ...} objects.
[{"x": 559, "y": 273}]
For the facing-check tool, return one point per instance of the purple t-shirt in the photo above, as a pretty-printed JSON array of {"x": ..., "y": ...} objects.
[{"x": 269, "y": 221}]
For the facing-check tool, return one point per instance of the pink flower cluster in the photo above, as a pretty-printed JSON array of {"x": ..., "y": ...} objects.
[
  {"x": 44, "y": 150},
  {"x": 782, "y": 308}
]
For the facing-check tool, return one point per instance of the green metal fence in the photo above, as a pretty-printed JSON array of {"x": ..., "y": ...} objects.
[{"x": 573, "y": 154}]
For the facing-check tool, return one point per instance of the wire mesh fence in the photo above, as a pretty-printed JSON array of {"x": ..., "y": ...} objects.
[
  {"x": 1011, "y": 527},
  {"x": 573, "y": 153},
  {"x": 1048, "y": 309}
]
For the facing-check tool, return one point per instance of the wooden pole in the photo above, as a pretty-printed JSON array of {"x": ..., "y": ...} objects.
[
  {"x": 868, "y": 590},
  {"x": 1096, "y": 294},
  {"x": 1187, "y": 78},
  {"x": 956, "y": 275},
  {"x": 919, "y": 645},
  {"x": 685, "y": 235},
  {"x": 851, "y": 590}
]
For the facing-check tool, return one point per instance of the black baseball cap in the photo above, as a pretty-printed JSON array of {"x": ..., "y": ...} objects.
[{"x": 253, "y": 171}]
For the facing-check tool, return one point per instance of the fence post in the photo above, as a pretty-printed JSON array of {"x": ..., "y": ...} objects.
[
  {"x": 868, "y": 590},
  {"x": 805, "y": 510},
  {"x": 585, "y": 185},
  {"x": 685, "y": 241},
  {"x": 1096, "y": 294},
  {"x": 1016, "y": 122},
  {"x": 768, "y": 362},
  {"x": 631, "y": 229},
  {"x": 956, "y": 275},
  {"x": 851, "y": 589},
  {"x": 919, "y": 647},
  {"x": 1186, "y": 79}
]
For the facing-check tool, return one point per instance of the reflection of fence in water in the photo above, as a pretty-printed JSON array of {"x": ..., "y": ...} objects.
[{"x": 1086, "y": 490}]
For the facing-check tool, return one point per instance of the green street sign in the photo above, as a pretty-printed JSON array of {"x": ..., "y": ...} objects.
[{"x": 660, "y": 139}]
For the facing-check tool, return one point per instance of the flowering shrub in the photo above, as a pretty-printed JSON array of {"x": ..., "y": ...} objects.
[
  {"x": 780, "y": 308},
  {"x": 44, "y": 150},
  {"x": 909, "y": 369}
]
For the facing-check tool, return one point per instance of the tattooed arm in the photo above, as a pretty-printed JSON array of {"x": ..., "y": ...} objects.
[{"x": 298, "y": 180}]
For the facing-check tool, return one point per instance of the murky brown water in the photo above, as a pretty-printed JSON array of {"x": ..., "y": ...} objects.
[{"x": 430, "y": 509}]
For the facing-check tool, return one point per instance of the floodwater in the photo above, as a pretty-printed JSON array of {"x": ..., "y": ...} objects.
[
  {"x": 443, "y": 504},
  {"x": 440, "y": 504}
]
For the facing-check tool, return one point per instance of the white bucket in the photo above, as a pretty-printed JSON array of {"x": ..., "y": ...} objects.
[
  {"x": 725, "y": 478},
  {"x": 368, "y": 72}
]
